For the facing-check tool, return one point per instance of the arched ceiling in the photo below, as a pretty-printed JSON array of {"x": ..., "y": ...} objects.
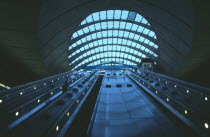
[
  {"x": 182, "y": 28},
  {"x": 119, "y": 37},
  {"x": 173, "y": 29}
]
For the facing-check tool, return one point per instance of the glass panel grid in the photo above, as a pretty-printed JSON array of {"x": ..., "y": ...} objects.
[{"x": 113, "y": 40}]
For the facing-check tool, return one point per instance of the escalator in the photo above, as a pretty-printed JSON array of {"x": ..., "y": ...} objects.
[{"x": 124, "y": 110}]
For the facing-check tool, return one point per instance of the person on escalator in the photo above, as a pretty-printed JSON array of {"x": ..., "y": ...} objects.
[{"x": 65, "y": 86}]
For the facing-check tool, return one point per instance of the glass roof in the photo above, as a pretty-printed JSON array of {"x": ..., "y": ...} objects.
[{"x": 112, "y": 35}]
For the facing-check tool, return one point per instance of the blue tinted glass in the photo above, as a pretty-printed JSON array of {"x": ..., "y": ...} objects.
[
  {"x": 144, "y": 21},
  {"x": 138, "y": 18},
  {"x": 110, "y": 14},
  {"x": 128, "y": 26},
  {"x": 98, "y": 26},
  {"x": 80, "y": 32},
  {"x": 103, "y": 25},
  {"x": 131, "y": 15},
  {"x": 92, "y": 28},
  {"x": 96, "y": 16},
  {"x": 117, "y": 14},
  {"x": 116, "y": 36},
  {"x": 86, "y": 30},
  {"x": 116, "y": 24},
  {"x": 89, "y": 19},
  {"x": 146, "y": 31},
  {"x": 134, "y": 27},
  {"x": 103, "y": 15},
  {"x": 83, "y": 22},
  {"x": 151, "y": 34},
  {"x": 124, "y": 15}
]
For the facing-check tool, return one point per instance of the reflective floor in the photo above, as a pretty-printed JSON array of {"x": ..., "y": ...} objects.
[{"x": 128, "y": 112}]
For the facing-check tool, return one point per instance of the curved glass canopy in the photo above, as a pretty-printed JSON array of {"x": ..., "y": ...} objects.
[{"x": 112, "y": 36}]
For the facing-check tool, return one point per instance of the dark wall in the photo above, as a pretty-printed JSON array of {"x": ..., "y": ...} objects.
[
  {"x": 19, "y": 56},
  {"x": 196, "y": 68}
]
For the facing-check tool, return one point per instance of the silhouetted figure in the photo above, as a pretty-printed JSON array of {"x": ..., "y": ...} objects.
[{"x": 65, "y": 86}]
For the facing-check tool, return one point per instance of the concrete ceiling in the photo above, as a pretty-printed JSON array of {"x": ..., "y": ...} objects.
[{"x": 181, "y": 26}]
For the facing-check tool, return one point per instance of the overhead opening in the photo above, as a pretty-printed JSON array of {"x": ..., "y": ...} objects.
[{"x": 112, "y": 37}]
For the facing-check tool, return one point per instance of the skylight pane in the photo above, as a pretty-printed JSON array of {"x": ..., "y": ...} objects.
[
  {"x": 124, "y": 41},
  {"x": 100, "y": 42},
  {"x": 116, "y": 24},
  {"x": 146, "y": 41},
  {"x": 89, "y": 38},
  {"x": 155, "y": 37},
  {"x": 92, "y": 28},
  {"x": 144, "y": 21},
  {"x": 119, "y": 41},
  {"x": 103, "y": 15},
  {"x": 142, "y": 48},
  {"x": 138, "y": 18},
  {"x": 99, "y": 35},
  {"x": 129, "y": 43},
  {"x": 136, "y": 37},
  {"x": 141, "y": 39},
  {"x": 124, "y": 15},
  {"x": 79, "y": 42},
  {"x": 117, "y": 14},
  {"x": 110, "y": 24},
  {"x": 95, "y": 16},
  {"x": 89, "y": 19},
  {"x": 103, "y": 25},
  {"x": 83, "y": 40},
  {"x": 128, "y": 26},
  {"x": 131, "y": 16},
  {"x": 146, "y": 31},
  {"x": 134, "y": 27},
  {"x": 115, "y": 33},
  {"x": 98, "y": 26},
  {"x": 110, "y": 14},
  {"x": 86, "y": 30},
  {"x": 75, "y": 35},
  {"x": 109, "y": 33},
  {"x": 140, "y": 29},
  {"x": 155, "y": 46},
  {"x": 121, "y": 33},
  {"x": 80, "y": 32},
  {"x": 104, "y": 33},
  {"x": 122, "y": 25},
  {"x": 131, "y": 35},
  {"x": 94, "y": 35},
  {"x": 115, "y": 41},
  {"x": 109, "y": 40},
  {"x": 126, "y": 34},
  {"x": 83, "y": 22}
]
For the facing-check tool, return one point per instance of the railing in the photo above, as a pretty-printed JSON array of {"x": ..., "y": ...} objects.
[
  {"x": 64, "y": 120},
  {"x": 51, "y": 107},
  {"x": 19, "y": 103},
  {"x": 33, "y": 85},
  {"x": 187, "y": 101}
]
